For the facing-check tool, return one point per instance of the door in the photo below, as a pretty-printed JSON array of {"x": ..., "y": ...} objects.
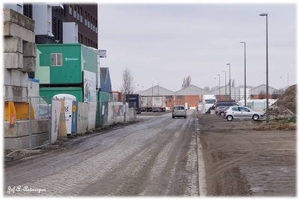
[{"x": 245, "y": 112}]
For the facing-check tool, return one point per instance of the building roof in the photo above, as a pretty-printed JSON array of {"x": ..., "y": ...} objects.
[
  {"x": 157, "y": 91},
  {"x": 262, "y": 88},
  {"x": 191, "y": 90}
]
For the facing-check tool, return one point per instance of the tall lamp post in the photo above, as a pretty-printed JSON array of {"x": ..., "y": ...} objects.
[
  {"x": 158, "y": 88},
  {"x": 267, "y": 78},
  {"x": 229, "y": 81},
  {"x": 152, "y": 94},
  {"x": 244, "y": 72},
  {"x": 225, "y": 83},
  {"x": 219, "y": 86}
]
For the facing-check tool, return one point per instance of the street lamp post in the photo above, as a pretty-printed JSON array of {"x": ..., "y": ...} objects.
[
  {"x": 152, "y": 94},
  {"x": 225, "y": 83},
  {"x": 244, "y": 72},
  {"x": 267, "y": 78},
  {"x": 158, "y": 88},
  {"x": 219, "y": 86},
  {"x": 229, "y": 81}
]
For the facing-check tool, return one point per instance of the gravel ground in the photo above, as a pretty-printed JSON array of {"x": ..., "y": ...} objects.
[{"x": 240, "y": 161}]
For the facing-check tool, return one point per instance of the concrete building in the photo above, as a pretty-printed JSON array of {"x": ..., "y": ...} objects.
[{"x": 66, "y": 23}]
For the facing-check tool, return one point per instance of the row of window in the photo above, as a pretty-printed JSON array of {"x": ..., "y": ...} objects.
[
  {"x": 86, "y": 41},
  {"x": 89, "y": 20}
]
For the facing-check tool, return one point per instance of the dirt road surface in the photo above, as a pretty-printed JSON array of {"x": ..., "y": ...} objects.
[
  {"x": 156, "y": 157},
  {"x": 203, "y": 155},
  {"x": 243, "y": 162}
]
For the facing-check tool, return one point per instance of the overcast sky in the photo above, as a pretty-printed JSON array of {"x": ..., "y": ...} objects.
[{"x": 168, "y": 42}]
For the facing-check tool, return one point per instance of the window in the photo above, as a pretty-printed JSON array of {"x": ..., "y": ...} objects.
[
  {"x": 70, "y": 10},
  {"x": 56, "y": 59},
  {"x": 235, "y": 109},
  {"x": 210, "y": 100},
  {"x": 78, "y": 12},
  {"x": 81, "y": 18},
  {"x": 243, "y": 109}
]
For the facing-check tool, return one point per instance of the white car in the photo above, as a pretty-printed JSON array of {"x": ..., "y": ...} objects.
[
  {"x": 242, "y": 112},
  {"x": 179, "y": 111}
]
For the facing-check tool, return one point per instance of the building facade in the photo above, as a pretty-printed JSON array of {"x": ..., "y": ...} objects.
[{"x": 66, "y": 23}]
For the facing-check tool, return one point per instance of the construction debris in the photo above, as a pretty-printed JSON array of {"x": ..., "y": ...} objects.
[{"x": 286, "y": 105}]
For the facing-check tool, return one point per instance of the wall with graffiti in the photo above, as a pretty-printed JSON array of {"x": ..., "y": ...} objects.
[{"x": 117, "y": 112}]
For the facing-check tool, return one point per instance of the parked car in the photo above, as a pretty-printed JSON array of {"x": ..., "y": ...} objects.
[
  {"x": 233, "y": 112},
  {"x": 179, "y": 111},
  {"x": 220, "y": 110},
  {"x": 224, "y": 103}
]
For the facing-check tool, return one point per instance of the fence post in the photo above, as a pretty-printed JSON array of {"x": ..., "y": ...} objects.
[{"x": 30, "y": 125}]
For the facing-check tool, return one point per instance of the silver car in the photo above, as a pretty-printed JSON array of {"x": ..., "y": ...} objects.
[
  {"x": 242, "y": 112},
  {"x": 179, "y": 111}
]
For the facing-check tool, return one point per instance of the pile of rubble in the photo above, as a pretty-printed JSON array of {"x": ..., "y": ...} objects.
[{"x": 286, "y": 105}]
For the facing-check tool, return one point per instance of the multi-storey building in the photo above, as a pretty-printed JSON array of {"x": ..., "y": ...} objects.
[{"x": 62, "y": 23}]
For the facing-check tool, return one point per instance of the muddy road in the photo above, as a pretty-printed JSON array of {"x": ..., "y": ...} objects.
[
  {"x": 242, "y": 162},
  {"x": 155, "y": 157},
  {"x": 203, "y": 155}
]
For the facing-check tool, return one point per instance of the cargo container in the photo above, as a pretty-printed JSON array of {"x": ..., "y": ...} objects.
[
  {"x": 63, "y": 64},
  {"x": 134, "y": 101},
  {"x": 69, "y": 69},
  {"x": 116, "y": 96},
  {"x": 48, "y": 92},
  {"x": 146, "y": 104},
  {"x": 159, "y": 104}
]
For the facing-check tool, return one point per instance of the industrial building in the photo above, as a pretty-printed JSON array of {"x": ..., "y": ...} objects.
[{"x": 191, "y": 95}]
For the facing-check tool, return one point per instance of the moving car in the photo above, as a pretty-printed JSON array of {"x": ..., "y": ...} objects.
[
  {"x": 179, "y": 111},
  {"x": 233, "y": 112}
]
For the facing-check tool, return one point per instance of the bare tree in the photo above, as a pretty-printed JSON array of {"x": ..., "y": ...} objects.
[
  {"x": 233, "y": 83},
  {"x": 127, "y": 85},
  {"x": 186, "y": 82},
  {"x": 206, "y": 88}
]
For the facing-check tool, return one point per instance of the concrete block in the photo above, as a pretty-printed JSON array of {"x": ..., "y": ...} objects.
[
  {"x": 7, "y": 78},
  {"x": 19, "y": 78},
  {"x": 24, "y": 142},
  {"x": 29, "y": 49},
  {"x": 29, "y": 64},
  {"x": 12, "y": 16},
  {"x": 13, "y": 60},
  {"x": 15, "y": 93},
  {"x": 11, "y": 29},
  {"x": 21, "y": 128},
  {"x": 13, "y": 45}
]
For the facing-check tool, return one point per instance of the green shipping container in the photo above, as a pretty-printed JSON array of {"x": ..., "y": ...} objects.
[
  {"x": 63, "y": 64},
  {"x": 49, "y": 92}
]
